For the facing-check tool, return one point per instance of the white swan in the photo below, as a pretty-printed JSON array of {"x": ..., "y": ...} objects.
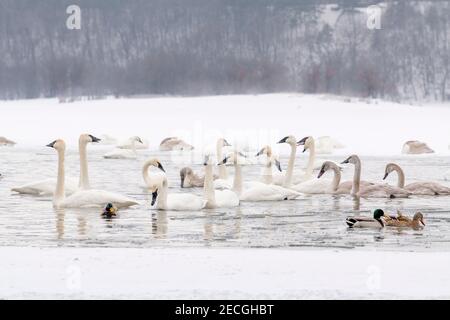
[
  {"x": 130, "y": 143},
  {"x": 47, "y": 186},
  {"x": 417, "y": 188},
  {"x": 169, "y": 201},
  {"x": 223, "y": 182},
  {"x": 189, "y": 179},
  {"x": 217, "y": 198},
  {"x": 257, "y": 191},
  {"x": 174, "y": 143},
  {"x": 416, "y": 147},
  {"x": 120, "y": 153},
  {"x": 82, "y": 198},
  {"x": 267, "y": 174},
  {"x": 288, "y": 179},
  {"x": 371, "y": 191}
]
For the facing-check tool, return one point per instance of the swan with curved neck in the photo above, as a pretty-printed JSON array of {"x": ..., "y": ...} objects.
[
  {"x": 267, "y": 175},
  {"x": 158, "y": 186},
  {"x": 371, "y": 191},
  {"x": 308, "y": 143},
  {"x": 82, "y": 198},
  {"x": 417, "y": 188},
  {"x": 257, "y": 191},
  {"x": 289, "y": 176}
]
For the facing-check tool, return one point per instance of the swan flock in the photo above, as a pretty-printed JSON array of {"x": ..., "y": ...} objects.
[{"x": 219, "y": 189}]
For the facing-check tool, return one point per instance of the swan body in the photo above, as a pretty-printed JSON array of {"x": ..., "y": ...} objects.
[
  {"x": 377, "y": 221},
  {"x": 124, "y": 153},
  {"x": 416, "y": 147},
  {"x": 416, "y": 188},
  {"x": 158, "y": 186},
  {"x": 267, "y": 175},
  {"x": 375, "y": 190},
  {"x": 6, "y": 142},
  {"x": 174, "y": 143},
  {"x": 288, "y": 179},
  {"x": 130, "y": 143},
  {"x": 82, "y": 198},
  {"x": 258, "y": 191}
]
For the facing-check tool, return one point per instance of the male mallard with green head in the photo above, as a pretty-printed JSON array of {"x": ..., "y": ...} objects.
[
  {"x": 109, "y": 211},
  {"x": 365, "y": 222}
]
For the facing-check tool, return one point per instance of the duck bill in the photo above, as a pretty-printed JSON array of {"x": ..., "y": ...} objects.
[{"x": 422, "y": 222}]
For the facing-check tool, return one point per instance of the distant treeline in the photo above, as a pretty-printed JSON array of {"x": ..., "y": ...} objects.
[{"x": 197, "y": 47}]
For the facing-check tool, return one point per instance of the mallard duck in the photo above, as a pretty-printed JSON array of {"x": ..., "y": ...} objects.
[
  {"x": 365, "y": 222},
  {"x": 110, "y": 211},
  {"x": 403, "y": 221}
]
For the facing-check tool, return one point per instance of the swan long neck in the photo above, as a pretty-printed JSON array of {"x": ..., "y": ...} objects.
[
  {"x": 222, "y": 169},
  {"x": 267, "y": 176},
  {"x": 311, "y": 160},
  {"x": 356, "y": 177},
  {"x": 60, "y": 195},
  {"x": 336, "y": 178},
  {"x": 84, "y": 174},
  {"x": 208, "y": 187},
  {"x": 237, "y": 182},
  {"x": 290, "y": 168},
  {"x": 162, "y": 196},
  {"x": 400, "y": 175},
  {"x": 133, "y": 146},
  {"x": 145, "y": 175}
]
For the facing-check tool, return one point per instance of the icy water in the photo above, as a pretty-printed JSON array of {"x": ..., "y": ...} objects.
[{"x": 313, "y": 221}]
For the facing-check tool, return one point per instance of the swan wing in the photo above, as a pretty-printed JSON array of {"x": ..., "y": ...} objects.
[
  {"x": 226, "y": 199},
  {"x": 427, "y": 188},
  {"x": 46, "y": 187},
  {"x": 184, "y": 202},
  {"x": 97, "y": 198},
  {"x": 314, "y": 186}
]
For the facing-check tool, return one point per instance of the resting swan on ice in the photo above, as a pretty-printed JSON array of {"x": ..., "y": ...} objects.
[
  {"x": 371, "y": 191},
  {"x": 47, "y": 186},
  {"x": 417, "y": 188},
  {"x": 120, "y": 153},
  {"x": 82, "y": 198},
  {"x": 158, "y": 186},
  {"x": 257, "y": 191}
]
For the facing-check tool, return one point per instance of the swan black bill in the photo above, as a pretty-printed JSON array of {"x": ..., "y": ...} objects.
[
  {"x": 283, "y": 140},
  {"x": 226, "y": 143},
  {"x": 302, "y": 142},
  {"x": 260, "y": 152},
  {"x": 385, "y": 175},
  {"x": 51, "y": 145},
  {"x": 346, "y": 160},
  {"x": 224, "y": 161},
  {"x": 182, "y": 177},
  {"x": 94, "y": 139},
  {"x": 154, "y": 196},
  {"x": 321, "y": 173},
  {"x": 161, "y": 167},
  {"x": 278, "y": 165},
  {"x": 139, "y": 140}
]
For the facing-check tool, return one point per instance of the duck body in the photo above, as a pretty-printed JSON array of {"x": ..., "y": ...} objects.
[
  {"x": 377, "y": 221},
  {"x": 110, "y": 211},
  {"x": 402, "y": 221}
]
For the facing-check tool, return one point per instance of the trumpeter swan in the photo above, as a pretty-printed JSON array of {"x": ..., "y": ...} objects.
[
  {"x": 217, "y": 198},
  {"x": 158, "y": 186},
  {"x": 119, "y": 153},
  {"x": 375, "y": 190},
  {"x": 189, "y": 178},
  {"x": 336, "y": 186},
  {"x": 174, "y": 143},
  {"x": 82, "y": 198},
  {"x": 223, "y": 182},
  {"x": 417, "y": 188},
  {"x": 416, "y": 147},
  {"x": 128, "y": 144},
  {"x": 267, "y": 174},
  {"x": 47, "y": 186},
  {"x": 257, "y": 191},
  {"x": 288, "y": 179}
]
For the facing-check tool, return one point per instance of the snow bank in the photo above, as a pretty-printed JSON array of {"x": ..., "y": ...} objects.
[
  {"x": 221, "y": 273},
  {"x": 367, "y": 127}
]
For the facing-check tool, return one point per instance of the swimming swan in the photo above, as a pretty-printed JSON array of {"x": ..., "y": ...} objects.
[
  {"x": 82, "y": 198},
  {"x": 257, "y": 191},
  {"x": 336, "y": 186},
  {"x": 223, "y": 182},
  {"x": 189, "y": 178},
  {"x": 217, "y": 198},
  {"x": 120, "y": 153},
  {"x": 174, "y": 143},
  {"x": 47, "y": 186},
  {"x": 267, "y": 174},
  {"x": 169, "y": 201},
  {"x": 288, "y": 179},
  {"x": 371, "y": 191},
  {"x": 417, "y": 188}
]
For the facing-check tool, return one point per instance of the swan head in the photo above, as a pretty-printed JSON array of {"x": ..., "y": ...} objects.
[
  {"x": 267, "y": 150},
  {"x": 88, "y": 138},
  {"x": 327, "y": 165},
  {"x": 223, "y": 142},
  {"x": 185, "y": 172},
  {"x": 389, "y": 168},
  {"x": 136, "y": 139},
  {"x": 289, "y": 140},
  {"x": 306, "y": 142},
  {"x": 155, "y": 190},
  {"x": 354, "y": 159},
  {"x": 155, "y": 163},
  {"x": 418, "y": 217},
  {"x": 58, "y": 145},
  {"x": 233, "y": 157}
]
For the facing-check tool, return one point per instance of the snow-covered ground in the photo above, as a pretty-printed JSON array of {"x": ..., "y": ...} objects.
[
  {"x": 367, "y": 127},
  {"x": 221, "y": 274}
]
